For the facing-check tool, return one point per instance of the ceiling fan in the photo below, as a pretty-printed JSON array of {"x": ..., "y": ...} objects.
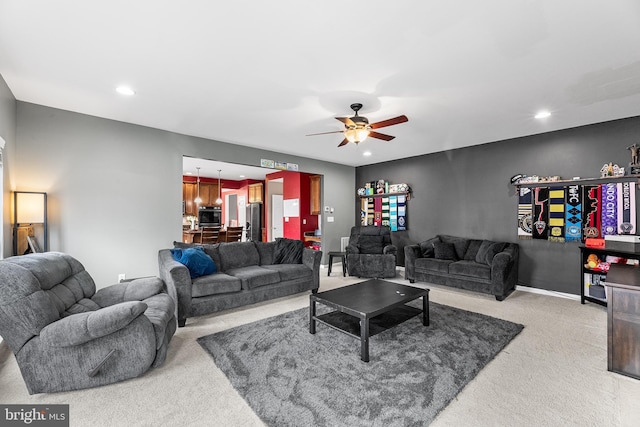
[{"x": 357, "y": 128}]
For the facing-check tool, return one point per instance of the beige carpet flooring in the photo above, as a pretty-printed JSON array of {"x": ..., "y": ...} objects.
[{"x": 553, "y": 374}]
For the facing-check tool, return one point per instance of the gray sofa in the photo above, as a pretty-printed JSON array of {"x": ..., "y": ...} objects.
[
  {"x": 247, "y": 272},
  {"x": 66, "y": 336},
  {"x": 477, "y": 265}
]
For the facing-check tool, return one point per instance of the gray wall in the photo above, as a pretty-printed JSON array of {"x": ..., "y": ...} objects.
[
  {"x": 115, "y": 189},
  {"x": 466, "y": 192},
  {"x": 8, "y": 133}
]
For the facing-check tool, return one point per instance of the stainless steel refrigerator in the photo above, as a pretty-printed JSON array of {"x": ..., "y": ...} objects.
[{"x": 254, "y": 222}]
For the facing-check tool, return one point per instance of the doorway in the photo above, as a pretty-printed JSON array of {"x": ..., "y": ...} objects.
[{"x": 277, "y": 217}]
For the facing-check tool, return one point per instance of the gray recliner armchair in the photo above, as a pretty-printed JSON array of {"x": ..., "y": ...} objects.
[
  {"x": 370, "y": 252},
  {"x": 66, "y": 336}
]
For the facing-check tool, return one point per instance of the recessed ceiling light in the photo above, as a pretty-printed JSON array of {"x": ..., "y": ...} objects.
[
  {"x": 188, "y": 173},
  {"x": 366, "y": 153},
  {"x": 125, "y": 90},
  {"x": 542, "y": 114},
  {"x": 241, "y": 176}
]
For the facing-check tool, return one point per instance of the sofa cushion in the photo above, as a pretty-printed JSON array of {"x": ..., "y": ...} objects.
[
  {"x": 432, "y": 264},
  {"x": 471, "y": 269},
  {"x": 488, "y": 249},
  {"x": 291, "y": 271},
  {"x": 370, "y": 244},
  {"x": 214, "y": 253},
  {"x": 288, "y": 251},
  {"x": 198, "y": 262},
  {"x": 266, "y": 250},
  {"x": 254, "y": 276},
  {"x": 237, "y": 255},
  {"x": 472, "y": 250},
  {"x": 212, "y": 284},
  {"x": 460, "y": 243},
  {"x": 442, "y": 250},
  {"x": 426, "y": 247}
]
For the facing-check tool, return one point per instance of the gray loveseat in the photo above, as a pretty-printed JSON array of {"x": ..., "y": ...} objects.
[
  {"x": 247, "y": 272},
  {"x": 477, "y": 265},
  {"x": 66, "y": 336}
]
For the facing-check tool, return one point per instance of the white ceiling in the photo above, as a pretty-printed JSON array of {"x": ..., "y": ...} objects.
[{"x": 265, "y": 74}]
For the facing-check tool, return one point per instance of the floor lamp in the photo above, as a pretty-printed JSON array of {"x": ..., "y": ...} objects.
[{"x": 29, "y": 207}]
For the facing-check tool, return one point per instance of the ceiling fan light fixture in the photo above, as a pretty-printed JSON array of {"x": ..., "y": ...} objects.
[{"x": 356, "y": 135}]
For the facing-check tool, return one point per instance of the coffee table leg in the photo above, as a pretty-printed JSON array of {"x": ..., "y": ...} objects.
[
  {"x": 312, "y": 316},
  {"x": 425, "y": 310},
  {"x": 364, "y": 339}
]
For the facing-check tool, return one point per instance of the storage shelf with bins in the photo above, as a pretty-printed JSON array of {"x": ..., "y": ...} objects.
[{"x": 593, "y": 276}]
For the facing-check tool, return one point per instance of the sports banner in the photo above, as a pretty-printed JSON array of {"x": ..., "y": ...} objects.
[
  {"x": 524, "y": 213},
  {"x": 385, "y": 212},
  {"x": 540, "y": 213},
  {"x": 609, "y": 203},
  {"x": 573, "y": 214},
  {"x": 591, "y": 219},
  {"x": 377, "y": 211},
  {"x": 402, "y": 213},
  {"x": 393, "y": 212},
  {"x": 556, "y": 214},
  {"x": 627, "y": 208}
]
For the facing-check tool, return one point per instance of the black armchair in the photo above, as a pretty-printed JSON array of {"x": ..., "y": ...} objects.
[{"x": 370, "y": 252}]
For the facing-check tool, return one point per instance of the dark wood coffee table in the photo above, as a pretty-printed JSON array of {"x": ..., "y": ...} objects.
[{"x": 365, "y": 301}]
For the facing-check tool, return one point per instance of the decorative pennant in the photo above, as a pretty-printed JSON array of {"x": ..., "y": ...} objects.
[
  {"x": 556, "y": 214},
  {"x": 370, "y": 210},
  {"x": 524, "y": 213},
  {"x": 540, "y": 228},
  {"x": 591, "y": 211},
  {"x": 385, "y": 212},
  {"x": 573, "y": 214},
  {"x": 608, "y": 210},
  {"x": 363, "y": 211}
]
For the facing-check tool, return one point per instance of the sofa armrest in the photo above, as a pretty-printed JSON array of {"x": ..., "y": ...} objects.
[
  {"x": 312, "y": 258},
  {"x": 178, "y": 283},
  {"x": 135, "y": 290},
  {"x": 390, "y": 250},
  {"x": 83, "y": 327},
  {"x": 411, "y": 253},
  {"x": 504, "y": 273}
]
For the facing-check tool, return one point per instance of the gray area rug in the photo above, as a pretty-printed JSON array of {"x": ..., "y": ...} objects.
[{"x": 292, "y": 378}]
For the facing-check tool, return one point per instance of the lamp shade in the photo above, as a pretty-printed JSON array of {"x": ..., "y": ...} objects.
[{"x": 30, "y": 208}]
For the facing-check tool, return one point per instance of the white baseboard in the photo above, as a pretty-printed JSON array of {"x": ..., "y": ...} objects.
[{"x": 547, "y": 292}]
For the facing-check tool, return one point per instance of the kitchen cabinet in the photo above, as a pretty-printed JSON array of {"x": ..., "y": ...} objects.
[
  {"x": 189, "y": 193},
  {"x": 255, "y": 193},
  {"x": 208, "y": 194},
  {"x": 314, "y": 191}
]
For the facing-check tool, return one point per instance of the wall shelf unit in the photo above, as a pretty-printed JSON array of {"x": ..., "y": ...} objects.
[
  {"x": 582, "y": 181},
  {"x": 596, "y": 276},
  {"x": 403, "y": 193}
]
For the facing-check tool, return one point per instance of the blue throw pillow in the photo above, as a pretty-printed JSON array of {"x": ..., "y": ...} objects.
[{"x": 196, "y": 260}]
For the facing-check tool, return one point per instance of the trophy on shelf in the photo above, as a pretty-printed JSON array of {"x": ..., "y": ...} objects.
[{"x": 634, "y": 166}]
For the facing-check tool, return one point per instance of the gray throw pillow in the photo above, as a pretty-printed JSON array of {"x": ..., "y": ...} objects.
[
  {"x": 426, "y": 247},
  {"x": 370, "y": 244},
  {"x": 444, "y": 250},
  {"x": 288, "y": 251},
  {"x": 493, "y": 250}
]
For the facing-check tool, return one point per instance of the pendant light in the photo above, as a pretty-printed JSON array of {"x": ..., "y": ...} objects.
[
  {"x": 219, "y": 199},
  {"x": 198, "y": 199}
]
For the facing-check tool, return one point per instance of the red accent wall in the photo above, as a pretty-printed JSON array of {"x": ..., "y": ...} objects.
[{"x": 297, "y": 185}]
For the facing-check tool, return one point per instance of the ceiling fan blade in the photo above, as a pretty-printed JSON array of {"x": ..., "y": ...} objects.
[
  {"x": 346, "y": 120},
  {"x": 373, "y": 134},
  {"x": 389, "y": 122},
  {"x": 344, "y": 142},
  {"x": 325, "y": 133}
]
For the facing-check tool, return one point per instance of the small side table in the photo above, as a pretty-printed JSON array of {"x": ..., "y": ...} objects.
[{"x": 343, "y": 257}]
